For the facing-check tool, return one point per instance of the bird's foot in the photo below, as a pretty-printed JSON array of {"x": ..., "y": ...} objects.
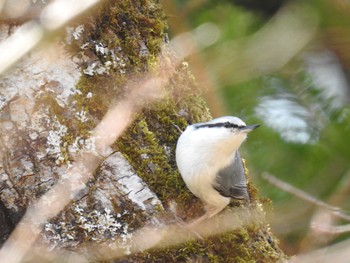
[{"x": 188, "y": 227}]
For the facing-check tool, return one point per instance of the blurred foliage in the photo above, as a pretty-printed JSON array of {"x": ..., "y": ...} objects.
[
  {"x": 265, "y": 7},
  {"x": 305, "y": 138}
]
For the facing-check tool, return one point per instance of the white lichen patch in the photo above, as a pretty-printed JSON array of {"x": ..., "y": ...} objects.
[
  {"x": 91, "y": 69},
  {"x": 34, "y": 135},
  {"x": 98, "y": 68},
  {"x": 2, "y": 102},
  {"x": 101, "y": 223},
  {"x": 82, "y": 116},
  {"x": 73, "y": 33},
  {"x": 57, "y": 145},
  {"x": 58, "y": 234},
  {"x": 65, "y": 94},
  {"x": 89, "y": 145},
  {"x": 167, "y": 150},
  {"x": 95, "y": 225},
  {"x": 100, "y": 48},
  {"x": 143, "y": 49},
  {"x": 76, "y": 145},
  {"x": 83, "y": 145},
  {"x": 55, "y": 140},
  {"x": 129, "y": 183},
  {"x": 109, "y": 58},
  {"x": 37, "y": 70}
]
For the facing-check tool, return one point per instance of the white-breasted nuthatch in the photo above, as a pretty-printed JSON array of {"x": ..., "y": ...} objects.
[{"x": 209, "y": 162}]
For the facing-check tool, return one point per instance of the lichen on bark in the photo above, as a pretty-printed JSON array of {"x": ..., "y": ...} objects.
[{"x": 115, "y": 45}]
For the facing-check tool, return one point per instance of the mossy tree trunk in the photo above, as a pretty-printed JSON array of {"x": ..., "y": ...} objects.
[{"x": 54, "y": 97}]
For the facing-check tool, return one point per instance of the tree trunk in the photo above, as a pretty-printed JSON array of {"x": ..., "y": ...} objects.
[{"x": 54, "y": 97}]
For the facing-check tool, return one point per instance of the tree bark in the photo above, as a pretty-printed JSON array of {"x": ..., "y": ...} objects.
[{"x": 54, "y": 97}]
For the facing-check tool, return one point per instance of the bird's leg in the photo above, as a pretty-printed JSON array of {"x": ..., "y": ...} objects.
[
  {"x": 197, "y": 221},
  {"x": 187, "y": 227},
  {"x": 213, "y": 210},
  {"x": 182, "y": 223},
  {"x": 179, "y": 221},
  {"x": 210, "y": 211}
]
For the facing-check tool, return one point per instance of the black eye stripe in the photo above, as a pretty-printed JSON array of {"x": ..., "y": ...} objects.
[{"x": 220, "y": 124}]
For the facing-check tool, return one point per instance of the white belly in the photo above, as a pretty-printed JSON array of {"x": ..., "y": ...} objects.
[
  {"x": 203, "y": 189},
  {"x": 200, "y": 179}
]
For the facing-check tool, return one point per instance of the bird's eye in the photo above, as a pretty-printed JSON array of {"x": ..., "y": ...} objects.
[{"x": 227, "y": 125}]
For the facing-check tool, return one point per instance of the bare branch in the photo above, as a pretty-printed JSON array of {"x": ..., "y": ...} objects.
[
  {"x": 304, "y": 195},
  {"x": 338, "y": 253}
]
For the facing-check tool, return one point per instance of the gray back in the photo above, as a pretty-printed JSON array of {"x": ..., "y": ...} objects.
[{"x": 231, "y": 181}]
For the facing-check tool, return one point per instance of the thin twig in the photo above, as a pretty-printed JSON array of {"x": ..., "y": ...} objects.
[
  {"x": 178, "y": 128},
  {"x": 325, "y": 228},
  {"x": 304, "y": 195}
]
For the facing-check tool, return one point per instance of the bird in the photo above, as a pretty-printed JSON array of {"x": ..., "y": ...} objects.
[{"x": 209, "y": 162}]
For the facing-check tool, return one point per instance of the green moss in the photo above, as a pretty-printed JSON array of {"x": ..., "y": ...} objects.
[
  {"x": 49, "y": 102},
  {"x": 148, "y": 157},
  {"x": 246, "y": 244}
]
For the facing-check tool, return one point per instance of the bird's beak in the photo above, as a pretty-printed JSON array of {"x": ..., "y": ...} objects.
[{"x": 249, "y": 128}]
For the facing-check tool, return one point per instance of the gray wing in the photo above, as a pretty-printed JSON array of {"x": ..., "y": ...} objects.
[{"x": 231, "y": 181}]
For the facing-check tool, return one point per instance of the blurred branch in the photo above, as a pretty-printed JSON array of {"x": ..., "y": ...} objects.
[
  {"x": 269, "y": 49},
  {"x": 177, "y": 26},
  {"x": 343, "y": 191},
  {"x": 338, "y": 253},
  {"x": 330, "y": 229},
  {"x": 28, "y": 35},
  {"x": 321, "y": 222},
  {"x": 148, "y": 238},
  {"x": 304, "y": 195}
]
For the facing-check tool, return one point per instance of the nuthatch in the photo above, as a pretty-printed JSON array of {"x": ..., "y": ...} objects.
[{"x": 209, "y": 162}]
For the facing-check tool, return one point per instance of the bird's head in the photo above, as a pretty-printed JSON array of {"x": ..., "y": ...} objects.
[{"x": 224, "y": 132}]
